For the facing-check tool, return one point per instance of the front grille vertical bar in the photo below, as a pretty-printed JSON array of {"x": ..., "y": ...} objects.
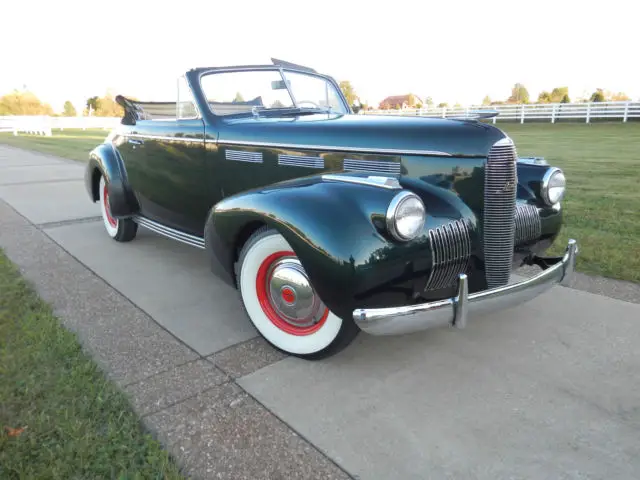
[{"x": 500, "y": 186}]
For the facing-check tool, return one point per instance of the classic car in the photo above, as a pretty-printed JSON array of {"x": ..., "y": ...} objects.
[{"x": 330, "y": 222}]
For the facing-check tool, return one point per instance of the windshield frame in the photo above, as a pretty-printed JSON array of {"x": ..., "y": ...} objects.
[{"x": 273, "y": 111}]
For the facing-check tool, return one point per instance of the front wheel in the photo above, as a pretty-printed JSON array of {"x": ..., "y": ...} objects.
[
  {"x": 121, "y": 230},
  {"x": 283, "y": 305}
]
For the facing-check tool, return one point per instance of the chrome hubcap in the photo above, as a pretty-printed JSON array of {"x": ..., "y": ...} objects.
[{"x": 292, "y": 295}]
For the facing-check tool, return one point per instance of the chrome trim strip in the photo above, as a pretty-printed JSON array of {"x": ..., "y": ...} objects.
[
  {"x": 382, "y": 182},
  {"x": 301, "y": 161},
  {"x": 455, "y": 311},
  {"x": 169, "y": 232},
  {"x": 351, "y": 165},
  {"x": 242, "y": 156},
  {"x": 160, "y": 137},
  {"x": 334, "y": 148}
]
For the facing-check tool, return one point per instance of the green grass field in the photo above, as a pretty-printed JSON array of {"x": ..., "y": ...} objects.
[
  {"x": 602, "y": 204},
  {"x": 601, "y": 161},
  {"x": 77, "y": 424},
  {"x": 72, "y": 143}
]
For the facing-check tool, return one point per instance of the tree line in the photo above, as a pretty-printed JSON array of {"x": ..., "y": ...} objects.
[
  {"x": 24, "y": 102},
  {"x": 519, "y": 94}
]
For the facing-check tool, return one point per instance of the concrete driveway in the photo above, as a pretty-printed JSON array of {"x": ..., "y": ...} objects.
[{"x": 548, "y": 390}]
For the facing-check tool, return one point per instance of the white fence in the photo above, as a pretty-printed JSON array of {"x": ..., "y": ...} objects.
[
  {"x": 552, "y": 112},
  {"x": 43, "y": 124}
]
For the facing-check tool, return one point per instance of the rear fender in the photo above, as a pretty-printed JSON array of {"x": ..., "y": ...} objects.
[
  {"x": 336, "y": 229},
  {"x": 104, "y": 160}
]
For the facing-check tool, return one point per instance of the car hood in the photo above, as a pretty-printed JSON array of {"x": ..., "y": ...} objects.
[{"x": 367, "y": 133}]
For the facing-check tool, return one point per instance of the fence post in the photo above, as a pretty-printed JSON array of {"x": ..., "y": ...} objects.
[
  {"x": 522, "y": 114},
  {"x": 626, "y": 111},
  {"x": 553, "y": 114},
  {"x": 588, "y": 112},
  {"x": 444, "y": 110}
]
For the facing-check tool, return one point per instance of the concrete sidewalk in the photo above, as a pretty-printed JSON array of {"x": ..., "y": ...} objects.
[{"x": 547, "y": 390}]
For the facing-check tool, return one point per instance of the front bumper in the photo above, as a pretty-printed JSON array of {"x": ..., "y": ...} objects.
[{"x": 454, "y": 311}]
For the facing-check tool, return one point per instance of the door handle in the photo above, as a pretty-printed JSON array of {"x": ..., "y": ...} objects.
[{"x": 135, "y": 142}]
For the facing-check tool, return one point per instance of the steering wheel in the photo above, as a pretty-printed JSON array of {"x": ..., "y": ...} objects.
[{"x": 308, "y": 101}]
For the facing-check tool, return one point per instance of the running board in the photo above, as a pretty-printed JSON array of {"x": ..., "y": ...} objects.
[{"x": 169, "y": 232}]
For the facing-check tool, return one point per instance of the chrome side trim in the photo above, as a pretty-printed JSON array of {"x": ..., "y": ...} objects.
[
  {"x": 333, "y": 148},
  {"x": 242, "y": 156},
  {"x": 528, "y": 224},
  {"x": 169, "y": 232},
  {"x": 451, "y": 249},
  {"x": 301, "y": 161},
  {"x": 160, "y": 137},
  {"x": 371, "y": 166},
  {"x": 382, "y": 182},
  {"x": 455, "y": 311}
]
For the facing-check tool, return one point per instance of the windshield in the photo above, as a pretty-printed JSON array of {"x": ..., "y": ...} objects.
[{"x": 257, "y": 91}]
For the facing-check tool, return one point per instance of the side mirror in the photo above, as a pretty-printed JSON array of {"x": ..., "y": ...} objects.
[{"x": 357, "y": 106}]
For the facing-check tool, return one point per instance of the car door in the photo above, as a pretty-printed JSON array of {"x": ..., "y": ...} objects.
[{"x": 166, "y": 168}]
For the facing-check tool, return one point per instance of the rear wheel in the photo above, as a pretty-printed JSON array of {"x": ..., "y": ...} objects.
[
  {"x": 283, "y": 305},
  {"x": 120, "y": 229}
]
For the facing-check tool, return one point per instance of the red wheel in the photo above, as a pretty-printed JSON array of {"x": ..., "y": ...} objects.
[
  {"x": 282, "y": 303},
  {"x": 121, "y": 230}
]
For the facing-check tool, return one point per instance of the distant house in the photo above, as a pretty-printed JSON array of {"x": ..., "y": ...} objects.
[{"x": 401, "y": 102}]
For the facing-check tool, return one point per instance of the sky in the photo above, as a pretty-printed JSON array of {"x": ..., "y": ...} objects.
[{"x": 452, "y": 51}]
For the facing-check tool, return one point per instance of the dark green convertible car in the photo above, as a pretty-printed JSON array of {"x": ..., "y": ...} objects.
[{"x": 329, "y": 222}]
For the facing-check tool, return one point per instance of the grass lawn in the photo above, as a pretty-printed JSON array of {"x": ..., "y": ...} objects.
[
  {"x": 71, "y": 143},
  {"x": 77, "y": 424},
  {"x": 601, "y": 161},
  {"x": 602, "y": 204}
]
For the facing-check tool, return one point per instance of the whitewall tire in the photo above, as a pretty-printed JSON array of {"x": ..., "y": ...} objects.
[
  {"x": 121, "y": 230},
  {"x": 281, "y": 302}
]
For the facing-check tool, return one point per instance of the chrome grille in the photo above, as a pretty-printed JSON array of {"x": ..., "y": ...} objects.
[
  {"x": 528, "y": 225},
  {"x": 500, "y": 182},
  {"x": 451, "y": 249}
]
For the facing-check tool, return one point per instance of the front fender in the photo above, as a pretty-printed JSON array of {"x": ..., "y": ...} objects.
[
  {"x": 338, "y": 232},
  {"x": 106, "y": 161}
]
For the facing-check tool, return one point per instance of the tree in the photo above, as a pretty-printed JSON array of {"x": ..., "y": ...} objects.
[
  {"x": 348, "y": 91},
  {"x": 559, "y": 93},
  {"x": 429, "y": 101},
  {"x": 544, "y": 97},
  {"x": 23, "y": 103},
  {"x": 486, "y": 100},
  {"x": 597, "y": 96},
  {"x": 619, "y": 97},
  {"x": 565, "y": 98},
  {"x": 443, "y": 104},
  {"x": 519, "y": 94},
  {"x": 68, "y": 110},
  {"x": 92, "y": 104},
  {"x": 239, "y": 98},
  {"x": 104, "y": 106}
]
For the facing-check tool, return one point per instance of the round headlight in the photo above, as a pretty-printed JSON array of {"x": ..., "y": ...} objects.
[
  {"x": 405, "y": 216},
  {"x": 553, "y": 186}
]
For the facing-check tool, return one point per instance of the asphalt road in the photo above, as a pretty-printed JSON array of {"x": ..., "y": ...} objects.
[{"x": 548, "y": 390}]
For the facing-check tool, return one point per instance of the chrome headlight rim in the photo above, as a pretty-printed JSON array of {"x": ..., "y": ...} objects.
[
  {"x": 544, "y": 189},
  {"x": 391, "y": 216}
]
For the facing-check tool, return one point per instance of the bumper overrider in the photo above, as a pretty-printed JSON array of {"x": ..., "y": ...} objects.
[{"x": 456, "y": 310}]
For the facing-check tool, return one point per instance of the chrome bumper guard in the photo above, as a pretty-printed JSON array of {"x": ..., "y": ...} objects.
[{"x": 454, "y": 311}]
